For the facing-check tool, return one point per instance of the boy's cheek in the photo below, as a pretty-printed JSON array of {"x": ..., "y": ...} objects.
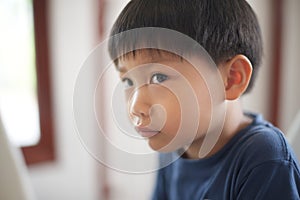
[
  {"x": 158, "y": 102},
  {"x": 181, "y": 129}
]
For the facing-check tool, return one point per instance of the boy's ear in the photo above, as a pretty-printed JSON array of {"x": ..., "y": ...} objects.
[{"x": 236, "y": 74}]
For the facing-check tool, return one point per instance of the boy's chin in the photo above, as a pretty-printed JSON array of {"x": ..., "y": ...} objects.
[{"x": 162, "y": 148}]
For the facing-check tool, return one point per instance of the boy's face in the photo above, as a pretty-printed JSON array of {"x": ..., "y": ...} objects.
[{"x": 168, "y": 100}]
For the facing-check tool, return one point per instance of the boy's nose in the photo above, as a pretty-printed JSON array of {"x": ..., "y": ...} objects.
[{"x": 139, "y": 106}]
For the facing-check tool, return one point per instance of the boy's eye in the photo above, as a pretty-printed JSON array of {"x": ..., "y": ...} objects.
[
  {"x": 127, "y": 82},
  {"x": 158, "y": 78}
]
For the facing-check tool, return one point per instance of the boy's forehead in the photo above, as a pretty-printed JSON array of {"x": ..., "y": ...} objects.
[{"x": 141, "y": 57}]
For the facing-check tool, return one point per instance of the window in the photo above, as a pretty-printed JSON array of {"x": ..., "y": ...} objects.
[{"x": 25, "y": 103}]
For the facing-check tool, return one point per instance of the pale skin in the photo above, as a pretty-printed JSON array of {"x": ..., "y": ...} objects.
[{"x": 235, "y": 72}]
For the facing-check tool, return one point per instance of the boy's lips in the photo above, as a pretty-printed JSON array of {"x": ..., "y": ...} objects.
[{"x": 146, "y": 132}]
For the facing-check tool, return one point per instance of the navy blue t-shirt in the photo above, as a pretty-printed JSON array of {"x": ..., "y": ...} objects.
[{"x": 257, "y": 163}]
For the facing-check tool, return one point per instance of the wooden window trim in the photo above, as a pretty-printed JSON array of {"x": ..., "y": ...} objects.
[
  {"x": 44, "y": 150},
  {"x": 277, "y": 29}
]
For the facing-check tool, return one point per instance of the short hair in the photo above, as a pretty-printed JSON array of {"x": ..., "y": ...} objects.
[{"x": 224, "y": 28}]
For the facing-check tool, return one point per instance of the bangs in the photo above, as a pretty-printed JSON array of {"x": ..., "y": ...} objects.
[
  {"x": 136, "y": 27},
  {"x": 153, "y": 54},
  {"x": 153, "y": 41}
]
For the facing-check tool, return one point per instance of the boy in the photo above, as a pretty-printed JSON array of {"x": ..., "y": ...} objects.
[{"x": 247, "y": 157}]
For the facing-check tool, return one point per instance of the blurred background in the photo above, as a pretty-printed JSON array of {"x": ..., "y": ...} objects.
[{"x": 44, "y": 43}]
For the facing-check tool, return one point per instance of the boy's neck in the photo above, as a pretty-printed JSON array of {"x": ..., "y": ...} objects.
[{"x": 235, "y": 120}]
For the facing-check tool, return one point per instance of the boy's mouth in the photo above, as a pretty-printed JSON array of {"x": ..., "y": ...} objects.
[{"x": 146, "y": 132}]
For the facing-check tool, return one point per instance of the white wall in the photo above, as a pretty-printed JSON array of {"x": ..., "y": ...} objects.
[
  {"x": 290, "y": 91},
  {"x": 290, "y": 96},
  {"x": 75, "y": 175},
  {"x": 258, "y": 99}
]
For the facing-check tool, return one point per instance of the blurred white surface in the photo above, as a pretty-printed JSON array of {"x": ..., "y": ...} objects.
[
  {"x": 14, "y": 180},
  {"x": 293, "y": 134}
]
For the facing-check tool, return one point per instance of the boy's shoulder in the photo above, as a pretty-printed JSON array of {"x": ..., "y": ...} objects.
[
  {"x": 256, "y": 157},
  {"x": 260, "y": 143}
]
